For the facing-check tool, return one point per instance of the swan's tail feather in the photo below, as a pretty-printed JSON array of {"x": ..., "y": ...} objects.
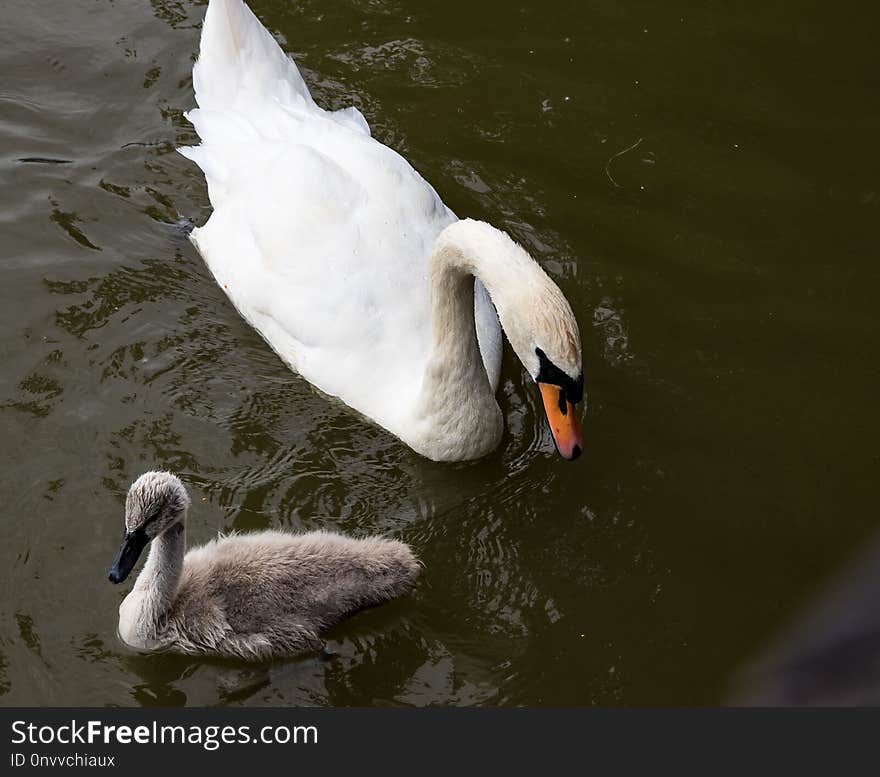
[
  {"x": 246, "y": 88},
  {"x": 240, "y": 62},
  {"x": 249, "y": 91}
]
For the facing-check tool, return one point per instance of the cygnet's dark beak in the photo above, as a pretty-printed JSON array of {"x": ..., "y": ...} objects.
[{"x": 132, "y": 545}]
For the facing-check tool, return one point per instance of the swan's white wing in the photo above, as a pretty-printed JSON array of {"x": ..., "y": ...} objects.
[{"x": 488, "y": 334}]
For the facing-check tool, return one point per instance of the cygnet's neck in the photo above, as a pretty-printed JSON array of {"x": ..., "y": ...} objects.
[{"x": 156, "y": 586}]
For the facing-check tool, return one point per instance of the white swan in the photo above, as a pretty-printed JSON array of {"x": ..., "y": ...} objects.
[
  {"x": 351, "y": 267},
  {"x": 252, "y": 596}
]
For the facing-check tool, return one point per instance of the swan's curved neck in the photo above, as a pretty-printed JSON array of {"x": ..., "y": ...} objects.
[
  {"x": 159, "y": 579},
  {"x": 456, "y": 399}
]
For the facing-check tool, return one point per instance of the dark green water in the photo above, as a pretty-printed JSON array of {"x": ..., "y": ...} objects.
[{"x": 724, "y": 271}]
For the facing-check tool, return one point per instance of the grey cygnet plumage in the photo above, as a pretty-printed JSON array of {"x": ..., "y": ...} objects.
[{"x": 252, "y": 596}]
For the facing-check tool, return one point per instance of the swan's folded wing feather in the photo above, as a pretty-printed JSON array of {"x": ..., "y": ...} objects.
[{"x": 352, "y": 118}]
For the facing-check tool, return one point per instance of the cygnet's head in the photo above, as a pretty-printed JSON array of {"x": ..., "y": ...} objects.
[{"x": 156, "y": 502}]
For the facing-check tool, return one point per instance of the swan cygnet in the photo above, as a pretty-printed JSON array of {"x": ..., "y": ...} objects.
[{"x": 252, "y": 596}]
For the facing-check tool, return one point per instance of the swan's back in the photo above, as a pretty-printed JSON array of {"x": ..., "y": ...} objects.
[
  {"x": 272, "y": 593},
  {"x": 317, "y": 571},
  {"x": 320, "y": 235}
]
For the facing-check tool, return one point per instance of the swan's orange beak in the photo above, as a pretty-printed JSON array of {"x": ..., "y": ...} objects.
[{"x": 565, "y": 421}]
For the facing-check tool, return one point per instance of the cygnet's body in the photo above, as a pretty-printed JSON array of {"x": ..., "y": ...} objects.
[{"x": 254, "y": 596}]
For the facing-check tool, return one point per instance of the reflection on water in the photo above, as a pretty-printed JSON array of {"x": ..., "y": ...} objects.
[{"x": 720, "y": 269}]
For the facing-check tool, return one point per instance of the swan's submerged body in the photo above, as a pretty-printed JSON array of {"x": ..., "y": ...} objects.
[
  {"x": 253, "y": 596},
  {"x": 324, "y": 239}
]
